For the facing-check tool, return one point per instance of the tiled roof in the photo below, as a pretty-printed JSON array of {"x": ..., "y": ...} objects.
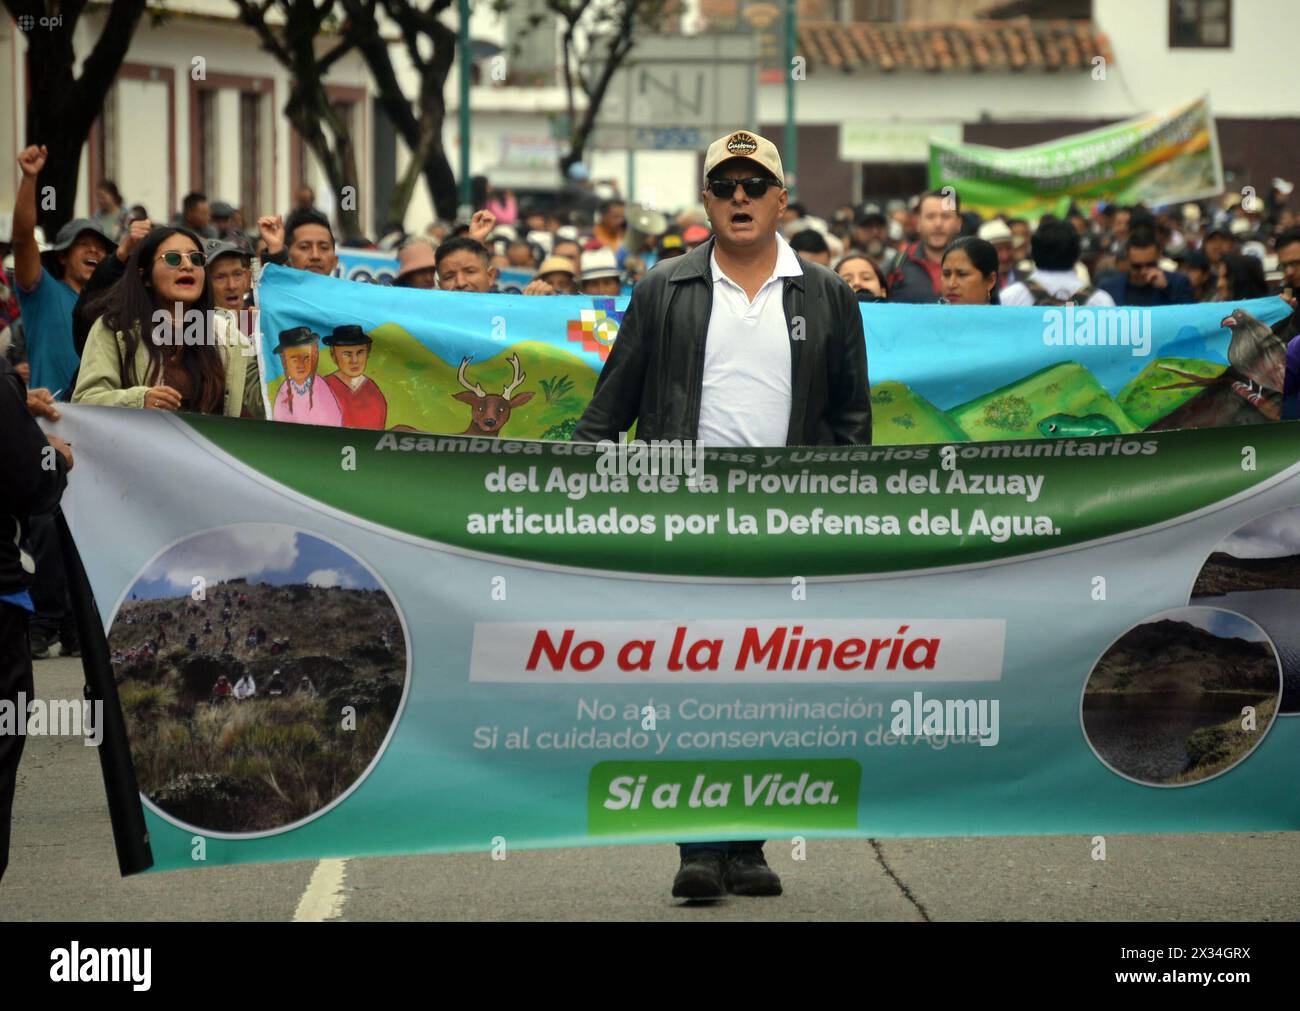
[{"x": 1005, "y": 45}]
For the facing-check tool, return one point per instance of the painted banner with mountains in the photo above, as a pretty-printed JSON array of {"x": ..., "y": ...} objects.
[{"x": 443, "y": 362}]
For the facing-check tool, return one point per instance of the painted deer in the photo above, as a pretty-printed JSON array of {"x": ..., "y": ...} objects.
[{"x": 491, "y": 411}]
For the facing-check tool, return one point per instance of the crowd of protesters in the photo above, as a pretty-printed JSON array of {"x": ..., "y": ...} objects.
[
  {"x": 96, "y": 316},
  {"x": 77, "y": 314}
]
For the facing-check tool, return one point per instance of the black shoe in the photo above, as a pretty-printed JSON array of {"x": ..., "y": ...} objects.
[
  {"x": 40, "y": 646},
  {"x": 69, "y": 648},
  {"x": 700, "y": 876},
  {"x": 747, "y": 873}
]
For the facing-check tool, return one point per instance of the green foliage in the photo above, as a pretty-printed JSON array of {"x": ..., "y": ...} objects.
[
  {"x": 1208, "y": 744},
  {"x": 556, "y": 387},
  {"x": 1009, "y": 413},
  {"x": 141, "y": 700},
  {"x": 264, "y": 762},
  {"x": 563, "y": 432},
  {"x": 1016, "y": 408},
  {"x": 900, "y": 416},
  {"x": 293, "y": 740}
]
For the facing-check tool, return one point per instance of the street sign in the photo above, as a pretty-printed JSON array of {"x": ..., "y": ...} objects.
[{"x": 675, "y": 94}]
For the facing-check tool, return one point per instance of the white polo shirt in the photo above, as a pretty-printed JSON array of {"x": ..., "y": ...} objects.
[{"x": 746, "y": 396}]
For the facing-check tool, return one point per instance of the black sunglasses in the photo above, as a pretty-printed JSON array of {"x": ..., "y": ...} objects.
[
  {"x": 755, "y": 188},
  {"x": 173, "y": 258}
]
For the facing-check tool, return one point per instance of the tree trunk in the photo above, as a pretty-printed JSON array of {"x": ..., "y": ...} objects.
[
  {"x": 441, "y": 180},
  {"x": 62, "y": 107}
]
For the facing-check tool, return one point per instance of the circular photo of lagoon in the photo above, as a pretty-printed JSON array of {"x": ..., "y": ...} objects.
[
  {"x": 1256, "y": 571},
  {"x": 261, "y": 670},
  {"x": 1182, "y": 697}
]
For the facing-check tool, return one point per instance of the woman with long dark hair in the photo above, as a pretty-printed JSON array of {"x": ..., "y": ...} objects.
[
  {"x": 970, "y": 272},
  {"x": 144, "y": 350},
  {"x": 1238, "y": 276}
]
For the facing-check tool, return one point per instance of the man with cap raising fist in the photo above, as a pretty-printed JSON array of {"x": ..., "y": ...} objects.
[
  {"x": 301, "y": 397},
  {"x": 737, "y": 343},
  {"x": 48, "y": 282},
  {"x": 359, "y": 396}
]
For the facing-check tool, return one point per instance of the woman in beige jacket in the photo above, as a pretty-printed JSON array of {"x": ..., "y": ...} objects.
[{"x": 160, "y": 343}]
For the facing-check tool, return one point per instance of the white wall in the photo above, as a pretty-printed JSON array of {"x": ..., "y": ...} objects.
[
  {"x": 11, "y": 113},
  {"x": 141, "y": 172},
  {"x": 1259, "y": 76}
]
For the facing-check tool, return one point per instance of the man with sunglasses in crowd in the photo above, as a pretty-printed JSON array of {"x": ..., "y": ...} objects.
[{"x": 737, "y": 343}]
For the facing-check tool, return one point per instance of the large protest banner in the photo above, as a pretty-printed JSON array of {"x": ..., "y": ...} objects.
[
  {"x": 938, "y": 373},
  {"x": 1159, "y": 158},
  {"x": 454, "y": 643}
]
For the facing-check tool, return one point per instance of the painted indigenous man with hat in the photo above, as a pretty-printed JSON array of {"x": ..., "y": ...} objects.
[
  {"x": 359, "y": 397},
  {"x": 302, "y": 398}
]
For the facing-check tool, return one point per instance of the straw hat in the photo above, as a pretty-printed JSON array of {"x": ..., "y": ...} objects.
[
  {"x": 415, "y": 255},
  {"x": 556, "y": 264}
]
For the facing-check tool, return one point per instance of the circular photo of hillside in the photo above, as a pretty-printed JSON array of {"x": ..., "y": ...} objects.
[
  {"x": 1182, "y": 697},
  {"x": 1256, "y": 571},
  {"x": 261, "y": 670}
]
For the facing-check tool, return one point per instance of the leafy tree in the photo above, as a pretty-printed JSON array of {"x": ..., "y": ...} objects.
[
  {"x": 431, "y": 49},
  {"x": 596, "y": 37},
  {"x": 288, "y": 30}
]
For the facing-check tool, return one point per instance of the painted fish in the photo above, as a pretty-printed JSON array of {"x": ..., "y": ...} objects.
[{"x": 1064, "y": 426}]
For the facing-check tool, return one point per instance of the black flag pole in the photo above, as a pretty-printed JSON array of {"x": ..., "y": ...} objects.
[{"x": 130, "y": 834}]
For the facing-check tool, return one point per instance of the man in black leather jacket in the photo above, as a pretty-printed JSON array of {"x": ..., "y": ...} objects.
[
  {"x": 656, "y": 371},
  {"x": 737, "y": 343}
]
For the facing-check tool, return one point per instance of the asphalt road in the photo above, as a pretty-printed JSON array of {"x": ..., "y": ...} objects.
[{"x": 62, "y": 867}]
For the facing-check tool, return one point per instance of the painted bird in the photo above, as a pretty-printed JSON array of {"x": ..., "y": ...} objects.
[{"x": 1258, "y": 358}]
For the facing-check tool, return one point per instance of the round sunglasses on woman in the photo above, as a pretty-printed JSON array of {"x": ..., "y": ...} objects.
[
  {"x": 134, "y": 355},
  {"x": 175, "y": 257}
]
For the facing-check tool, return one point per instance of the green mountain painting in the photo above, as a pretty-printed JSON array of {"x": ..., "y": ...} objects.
[
  {"x": 1146, "y": 405},
  {"x": 420, "y": 387},
  {"x": 901, "y": 417},
  {"x": 1067, "y": 391}
]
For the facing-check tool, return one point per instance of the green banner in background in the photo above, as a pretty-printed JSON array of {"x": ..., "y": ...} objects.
[{"x": 1159, "y": 158}]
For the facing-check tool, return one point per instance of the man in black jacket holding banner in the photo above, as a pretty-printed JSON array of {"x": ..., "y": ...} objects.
[
  {"x": 35, "y": 469},
  {"x": 737, "y": 343}
]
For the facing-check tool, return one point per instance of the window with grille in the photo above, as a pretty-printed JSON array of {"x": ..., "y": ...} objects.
[
  {"x": 250, "y": 154},
  {"x": 207, "y": 136},
  {"x": 1200, "y": 24}
]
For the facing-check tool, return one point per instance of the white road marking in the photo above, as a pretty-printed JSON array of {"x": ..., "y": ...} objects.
[{"x": 323, "y": 898}]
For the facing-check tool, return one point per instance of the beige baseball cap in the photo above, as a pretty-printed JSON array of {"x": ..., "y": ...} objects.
[{"x": 750, "y": 146}]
